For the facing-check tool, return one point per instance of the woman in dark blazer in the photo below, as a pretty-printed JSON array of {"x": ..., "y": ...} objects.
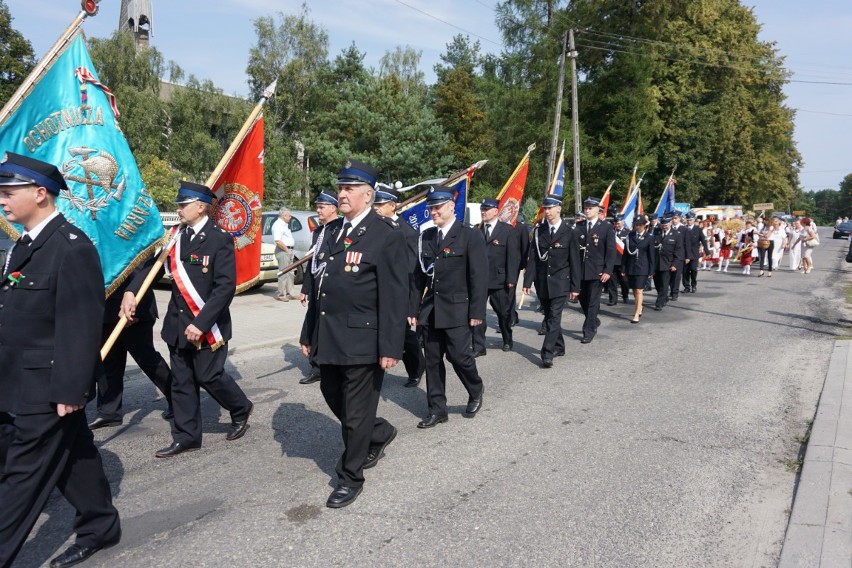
[{"x": 638, "y": 261}]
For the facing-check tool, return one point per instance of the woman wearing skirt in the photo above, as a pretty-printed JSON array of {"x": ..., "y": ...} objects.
[{"x": 638, "y": 261}]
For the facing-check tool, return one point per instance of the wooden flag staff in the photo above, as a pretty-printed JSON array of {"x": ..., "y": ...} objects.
[{"x": 252, "y": 118}]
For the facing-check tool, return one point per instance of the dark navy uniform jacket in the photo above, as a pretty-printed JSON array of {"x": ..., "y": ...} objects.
[
  {"x": 354, "y": 316},
  {"x": 553, "y": 263},
  {"x": 50, "y": 323},
  {"x": 216, "y": 286},
  {"x": 694, "y": 240},
  {"x": 670, "y": 250},
  {"x": 503, "y": 252},
  {"x": 597, "y": 250},
  {"x": 639, "y": 254},
  {"x": 458, "y": 290}
]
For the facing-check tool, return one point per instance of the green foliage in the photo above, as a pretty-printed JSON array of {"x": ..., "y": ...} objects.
[
  {"x": 16, "y": 55},
  {"x": 162, "y": 181}
]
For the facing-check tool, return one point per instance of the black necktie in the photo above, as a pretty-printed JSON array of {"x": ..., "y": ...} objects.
[
  {"x": 19, "y": 252},
  {"x": 346, "y": 227},
  {"x": 487, "y": 231},
  {"x": 187, "y": 236},
  {"x": 552, "y": 231},
  {"x": 588, "y": 230}
]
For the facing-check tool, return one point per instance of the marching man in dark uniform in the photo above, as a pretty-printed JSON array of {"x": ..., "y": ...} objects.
[
  {"x": 452, "y": 279},
  {"x": 618, "y": 282},
  {"x": 694, "y": 241},
  {"x": 501, "y": 245},
  {"x": 356, "y": 311},
  {"x": 596, "y": 246},
  {"x": 385, "y": 204},
  {"x": 51, "y": 311},
  {"x": 197, "y": 325},
  {"x": 669, "y": 245},
  {"x": 523, "y": 231},
  {"x": 677, "y": 274},
  {"x": 137, "y": 339},
  {"x": 326, "y": 205},
  {"x": 554, "y": 267}
]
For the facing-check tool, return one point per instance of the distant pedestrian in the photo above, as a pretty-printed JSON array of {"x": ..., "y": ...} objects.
[{"x": 284, "y": 243}]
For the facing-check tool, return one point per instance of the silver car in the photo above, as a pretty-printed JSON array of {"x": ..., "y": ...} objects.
[{"x": 302, "y": 224}]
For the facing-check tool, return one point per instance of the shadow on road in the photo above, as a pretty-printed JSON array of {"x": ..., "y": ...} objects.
[{"x": 304, "y": 433}]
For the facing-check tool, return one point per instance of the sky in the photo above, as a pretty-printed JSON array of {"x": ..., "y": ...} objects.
[{"x": 211, "y": 39}]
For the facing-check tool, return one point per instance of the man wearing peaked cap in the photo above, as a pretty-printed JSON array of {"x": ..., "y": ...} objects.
[
  {"x": 596, "y": 248},
  {"x": 52, "y": 283},
  {"x": 356, "y": 309},
  {"x": 326, "y": 207},
  {"x": 669, "y": 255},
  {"x": 197, "y": 325},
  {"x": 618, "y": 283},
  {"x": 554, "y": 267},
  {"x": 452, "y": 280},
  {"x": 693, "y": 241},
  {"x": 501, "y": 245},
  {"x": 385, "y": 203}
]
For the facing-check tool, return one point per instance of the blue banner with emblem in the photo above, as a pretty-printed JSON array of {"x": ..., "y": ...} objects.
[
  {"x": 417, "y": 213},
  {"x": 69, "y": 119}
]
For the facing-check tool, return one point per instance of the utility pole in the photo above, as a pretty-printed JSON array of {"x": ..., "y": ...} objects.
[
  {"x": 575, "y": 123},
  {"x": 558, "y": 115}
]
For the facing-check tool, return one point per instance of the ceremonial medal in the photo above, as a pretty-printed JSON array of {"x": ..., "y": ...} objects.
[
  {"x": 204, "y": 270},
  {"x": 352, "y": 260},
  {"x": 355, "y": 268},
  {"x": 204, "y": 263},
  {"x": 347, "y": 268}
]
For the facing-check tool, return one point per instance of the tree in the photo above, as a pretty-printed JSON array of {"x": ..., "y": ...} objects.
[
  {"x": 403, "y": 64},
  {"x": 16, "y": 55},
  {"x": 458, "y": 111},
  {"x": 162, "y": 181}
]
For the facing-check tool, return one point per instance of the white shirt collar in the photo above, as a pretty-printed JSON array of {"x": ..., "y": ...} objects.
[
  {"x": 196, "y": 228},
  {"x": 555, "y": 226},
  {"x": 357, "y": 220},
  {"x": 446, "y": 228},
  {"x": 34, "y": 232}
]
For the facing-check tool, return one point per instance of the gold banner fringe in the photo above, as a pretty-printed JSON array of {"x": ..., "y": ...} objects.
[
  {"x": 9, "y": 229},
  {"x": 248, "y": 285},
  {"x": 140, "y": 258}
]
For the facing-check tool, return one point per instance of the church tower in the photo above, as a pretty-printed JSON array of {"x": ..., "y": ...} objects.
[{"x": 137, "y": 18}]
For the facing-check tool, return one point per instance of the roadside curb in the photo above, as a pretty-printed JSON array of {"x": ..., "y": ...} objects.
[{"x": 820, "y": 529}]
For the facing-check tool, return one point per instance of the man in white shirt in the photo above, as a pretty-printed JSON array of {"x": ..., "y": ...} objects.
[{"x": 284, "y": 243}]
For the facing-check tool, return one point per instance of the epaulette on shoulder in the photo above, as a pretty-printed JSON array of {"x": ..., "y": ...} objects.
[{"x": 390, "y": 222}]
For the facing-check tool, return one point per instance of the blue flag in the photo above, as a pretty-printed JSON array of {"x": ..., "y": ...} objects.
[
  {"x": 667, "y": 199},
  {"x": 417, "y": 213},
  {"x": 69, "y": 120}
]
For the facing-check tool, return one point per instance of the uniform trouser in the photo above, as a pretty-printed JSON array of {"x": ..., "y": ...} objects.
[
  {"x": 352, "y": 393},
  {"x": 46, "y": 452},
  {"x": 616, "y": 284},
  {"x": 674, "y": 280},
  {"x": 285, "y": 281},
  {"x": 193, "y": 368},
  {"x": 690, "y": 276},
  {"x": 412, "y": 354},
  {"x": 7, "y": 432},
  {"x": 661, "y": 283},
  {"x": 454, "y": 342},
  {"x": 590, "y": 301},
  {"x": 138, "y": 340},
  {"x": 553, "y": 341},
  {"x": 502, "y": 306}
]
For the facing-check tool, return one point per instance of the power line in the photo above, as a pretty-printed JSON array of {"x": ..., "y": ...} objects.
[{"x": 427, "y": 14}]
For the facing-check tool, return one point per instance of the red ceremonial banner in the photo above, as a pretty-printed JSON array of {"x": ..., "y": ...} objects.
[
  {"x": 238, "y": 211},
  {"x": 511, "y": 197}
]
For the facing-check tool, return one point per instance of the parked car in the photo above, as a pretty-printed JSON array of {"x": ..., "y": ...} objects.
[
  {"x": 843, "y": 230},
  {"x": 302, "y": 224}
]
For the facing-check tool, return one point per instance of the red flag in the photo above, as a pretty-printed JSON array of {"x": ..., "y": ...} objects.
[
  {"x": 511, "y": 197},
  {"x": 238, "y": 211}
]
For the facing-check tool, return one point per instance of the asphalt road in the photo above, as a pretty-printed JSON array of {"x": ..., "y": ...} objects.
[{"x": 660, "y": 444}]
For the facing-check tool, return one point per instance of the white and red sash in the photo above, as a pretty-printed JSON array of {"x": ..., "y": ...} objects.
[{"x": 191, "y": 296}]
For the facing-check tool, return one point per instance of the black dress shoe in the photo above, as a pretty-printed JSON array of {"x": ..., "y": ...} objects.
[
  {"x": 658, "y": 308},
  {"x": 480, "y": 353},
  {"x": 378, "y": 452},
  {"x": 105, "y": 423},
  {"x": 507, "y": 347},
  {"x": 168, "y": 414},
  {"x": 547, "y": 363},
  {"x": 175, "y": 449},
  {"x": 674, "y": 298},
  {"x": 541, "y": 331},
  {"x": 611, "y": 303},
  {"x": 75, "y": 554},
  {"x": 342, "y": 496},
  {"x": 474, "y": 404},
  {"x": 239, "y": 427},
  {"x": 412, "y": 382},
  {"x": 431, "y": 421},
  {"x": 310, "y": 379},
  {"x": 587, "y": 339},
  {"x": 560, "y": 353}
]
